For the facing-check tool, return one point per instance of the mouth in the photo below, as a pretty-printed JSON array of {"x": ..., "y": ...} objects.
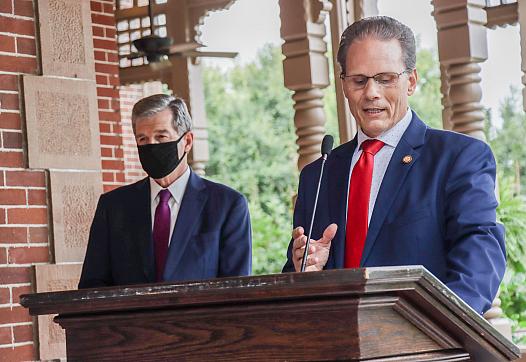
[{"x": 373, "y": 111}]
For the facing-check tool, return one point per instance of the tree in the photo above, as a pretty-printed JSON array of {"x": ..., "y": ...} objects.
[{"x": 252, "y": 148}]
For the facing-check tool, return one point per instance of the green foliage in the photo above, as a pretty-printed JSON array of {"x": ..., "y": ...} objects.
[
  {"x": 507, "y": 141},
  {"x": 426, "y": 99},
  {"x": 252, "y": 148}
]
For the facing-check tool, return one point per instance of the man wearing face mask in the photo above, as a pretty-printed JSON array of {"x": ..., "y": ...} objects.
[{"x": 172, "y": 225}]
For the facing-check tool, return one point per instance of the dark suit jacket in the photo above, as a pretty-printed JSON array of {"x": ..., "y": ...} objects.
[
  {"x": 212, "y": 236},
  {"x": 437, "y": 211}
]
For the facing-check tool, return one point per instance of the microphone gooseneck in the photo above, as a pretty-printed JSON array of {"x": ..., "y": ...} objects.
[{"x": 326, "y": 148}]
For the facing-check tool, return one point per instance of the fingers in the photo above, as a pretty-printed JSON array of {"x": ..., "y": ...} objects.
[
  {"x": 328, "y": 234},
  {"x": 297, "y": 232}
]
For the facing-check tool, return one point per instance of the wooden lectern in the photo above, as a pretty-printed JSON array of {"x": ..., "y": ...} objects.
[{"x": 371, "y": 314}]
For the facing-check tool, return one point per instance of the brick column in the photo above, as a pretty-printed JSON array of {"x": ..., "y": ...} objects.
[{"x": 23, "y": 202}]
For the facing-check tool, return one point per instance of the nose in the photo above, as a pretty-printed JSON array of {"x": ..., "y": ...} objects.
[{"x": 372, "y": 89}]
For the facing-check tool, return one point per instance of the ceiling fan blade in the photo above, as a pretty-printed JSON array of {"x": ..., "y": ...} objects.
[
  {"x": 183, "y": 47},
  {"x": 210, "y": 54},
  {"x": 135, "y": 55}
]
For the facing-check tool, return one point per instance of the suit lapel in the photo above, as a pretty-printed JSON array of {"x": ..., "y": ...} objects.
[
  {"x": 143, "y": 232},
  {"x": 393, "y": 180},
  {"x": 337, "y": 190},
  {"x": 189, "y": 215}
]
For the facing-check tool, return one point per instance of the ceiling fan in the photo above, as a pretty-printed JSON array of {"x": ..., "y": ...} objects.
[{"x": 156, "y": 48}]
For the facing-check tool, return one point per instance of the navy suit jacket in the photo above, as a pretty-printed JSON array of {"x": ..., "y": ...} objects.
[
  {"x": 211, "y": 238},
  {"x": 437, "y": 211}
]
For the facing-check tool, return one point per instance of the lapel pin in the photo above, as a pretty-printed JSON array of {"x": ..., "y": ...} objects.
[{"x": 407, "y": 159}]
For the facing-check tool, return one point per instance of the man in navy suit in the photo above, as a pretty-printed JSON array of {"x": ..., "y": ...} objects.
[
  {"x": 400, "y": 193},
  {"x": 172, "y": 225}
]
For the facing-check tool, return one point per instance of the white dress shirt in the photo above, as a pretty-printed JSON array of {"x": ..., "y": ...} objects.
[
  {"x": 177, "y": 189},
  {"x": 391, "y": 137}
]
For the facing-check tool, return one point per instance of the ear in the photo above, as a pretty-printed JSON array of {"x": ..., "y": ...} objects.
[
  {"x": 188, "y": 141},
  {"x": 413, "y": 80},
  {"x": 344, "y": 88}
]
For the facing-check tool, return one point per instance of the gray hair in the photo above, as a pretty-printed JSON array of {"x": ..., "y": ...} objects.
[
  {"x": 156, "y": 103},
  {"x": 381, "y": 28}
]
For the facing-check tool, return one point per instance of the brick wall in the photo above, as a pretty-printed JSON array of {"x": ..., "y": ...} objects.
[
  {"x": 107, "y": 74},
  {"x": 24, "y": 232},
  {"x": 24, "y": 237},
  {"x": 130, "y": 94}
]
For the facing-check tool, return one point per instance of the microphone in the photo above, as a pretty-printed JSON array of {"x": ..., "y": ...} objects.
[{"x": 326, "y": 148}]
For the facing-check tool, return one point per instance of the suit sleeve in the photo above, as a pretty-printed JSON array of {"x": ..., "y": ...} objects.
[
  {"x": 96, "y": 271},
  {"x": 476, "y": 253},
  {"x": 236, "y": 241},
  {"x": 298, "y": 220}
]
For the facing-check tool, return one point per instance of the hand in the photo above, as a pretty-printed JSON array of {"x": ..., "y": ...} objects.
[{"x": 318, "y": 249}]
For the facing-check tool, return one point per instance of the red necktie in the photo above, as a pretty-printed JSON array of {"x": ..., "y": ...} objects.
[
  {"x": 161, "y": 232},
  {"x": 358, "y": 203}
]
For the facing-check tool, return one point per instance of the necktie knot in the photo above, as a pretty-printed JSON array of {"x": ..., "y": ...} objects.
[
  {"x": 372, "y": 146},
  {"x": 164, "y": 196}
]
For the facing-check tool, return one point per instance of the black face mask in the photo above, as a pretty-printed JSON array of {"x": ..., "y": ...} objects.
[{"x": 160, "y": 159}]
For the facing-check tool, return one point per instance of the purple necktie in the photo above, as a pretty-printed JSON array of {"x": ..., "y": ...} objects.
[{"x": 161, "y": 232}]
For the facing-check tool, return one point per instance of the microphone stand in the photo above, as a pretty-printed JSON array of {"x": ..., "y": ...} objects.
[{"x": 306, "y": 252}]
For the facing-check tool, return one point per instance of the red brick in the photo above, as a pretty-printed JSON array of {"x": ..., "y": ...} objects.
[
  {"x": 107, "y": 177},
  {"x": 111, "y": 140},
  {"x": 12, "y": 140},
  {"x": 103, "y": 19},
  {"x": 6, "y": 7},
  {"x": 118, "y": 153},
  {"x": 102, "y": 103},
  {"x": 9, "y": 120},
  {"x": 101, "y": 57},
  {"x": 18, "y": 291},
  {"x": 9, "y": 101},
  {"x": 108, "y": 44},
  {"x": 38, "y": 234},
  {"x": 106, "y": 152},
  {"x": 104, "y": 128},
  {"x": 23, "y": 333},
  {"x": 8, "y": 82},
  {"x": 17, "y": 64},
  {"x": 101, "y": 79},
  {"x": 111, "y": 33},
  {"x": 15, "y": 275},
  {"x": 98, "y": 31},
  {"x": 20, "y": 353},
  {"x": 26, "y": 46},
  {"x": 2, "y": 216},
  {"x": 7, "y": 43},
  {"x": 5, "y": 296},
  {"x": 120, "y": 177},
  {"x": 96, "y": 6},
  {"x": 109, "y": 116},
  {"x": 17, "y": 26},
  {"x": 5, "y": 336},
  {"x": 13, "y": 235},
  {"x": 36, "y": 197},
  {"x": 116, "y": 128},
  {"x": 11, "y": 159},
  {"x": 24, "y": 8},
  {"x": 109, "y": 8},
  {"x": 3, "y": 256},
  {"x": 28, "y": 255},
  {"x": 26, "y": 178},
  {"x": 27, "y": 216},
  {"x": 107, "y": 68},
  {"x": 14, "y": 315},
  {"x": 12, "y": 197}
]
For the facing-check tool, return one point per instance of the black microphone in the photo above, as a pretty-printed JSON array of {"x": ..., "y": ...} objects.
[{"x": 326, "y": 148}]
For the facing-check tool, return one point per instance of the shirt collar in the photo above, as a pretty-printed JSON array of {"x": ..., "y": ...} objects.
[
  {"x": 177, "y": 188},
  {"x": 392, "y": 136}
]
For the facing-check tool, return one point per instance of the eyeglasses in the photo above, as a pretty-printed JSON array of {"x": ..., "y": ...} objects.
[{"x": 359, "y": 81}]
